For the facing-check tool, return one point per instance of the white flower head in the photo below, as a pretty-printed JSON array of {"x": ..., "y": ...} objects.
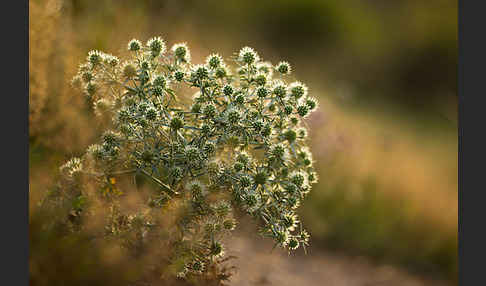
[
  {"x": 248, "y": 55},
  {"x": 181, "y": 52}
]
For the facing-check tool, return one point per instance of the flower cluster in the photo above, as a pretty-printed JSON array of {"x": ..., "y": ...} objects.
[{"x": 239, "y": 144}]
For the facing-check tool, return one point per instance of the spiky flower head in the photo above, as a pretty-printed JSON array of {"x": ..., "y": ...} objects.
[
  {"x": 279, "y": 152},
  {"x": 214, "y": 61},
  {"x": 156, "y": 46},
  {"x": 248, "y": 56},
  {"x": 233, "y": 116},
  {"x": 160, "y": 80},
  {"x": 262, "y": 92},
  {"x": 303, "y": 110},
  {"x": 72, "y": 167},
  {"x": 293, "y": 243},
  {"x": 283, "y": 68},
  {"x": 199, "y": 72},
  {"x": 261, "y": 79},
  {"x": 290, "y": 221},
  {"x": 195, "y": 186},
  {"x": 111, "y": 60},
  {"x": 181, "y": 52},
  {"x": 134, "y": 45},
  {"x": 311, "y": 103},
  {"x": 260, "y": 178},
  {"x": 279, "y": 88},
  {"x": 95, "y": 57},
  {"x": 227, "y": 90},
  {"x": 290, "y": 135},
  {"x": 298, "y": 178},
  {"x": 298, "y": 89}
]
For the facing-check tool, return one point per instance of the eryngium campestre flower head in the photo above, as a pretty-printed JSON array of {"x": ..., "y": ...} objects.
[
  {"x": 199, "y": 72},
  {"x": 197, "y": 266},
  {"x": 95, "y": 151},
  {"x": 134, "y": 45},
  {"x": 298, "y": 178},
  {"x": 95, "y": 57},
  {"x": 303, "y": 110},
  {"x": 111, "y": 60},
  {"x": 227, "y": 90},
  {"x": 72, "y": 166},
  {"x": 279, "y": 152},
  {"x": 248, "y": 56},
  {"x": 181, "y": 52},
  {"x": 290, "y": 221},
  {"x": 233, "y": 116},
  {"x": 156, "y": 46},
  {"x": 283, "y": 68},
  {"x": 293, "y": 243},
  {"x": 311, "y": 103},
  {"x": 298, "y": 89},
  {"x": 262, "y": 92},
  {"x": 279, "y": 88},
  {"x": 214, "y": 61},
  {"x": 261, "y": 79}
]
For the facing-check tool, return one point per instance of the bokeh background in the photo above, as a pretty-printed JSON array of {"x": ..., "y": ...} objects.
[{"x": 384, "y": 139}]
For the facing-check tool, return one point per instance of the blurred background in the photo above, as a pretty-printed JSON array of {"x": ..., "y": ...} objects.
[{"x": 384, "y": 138}]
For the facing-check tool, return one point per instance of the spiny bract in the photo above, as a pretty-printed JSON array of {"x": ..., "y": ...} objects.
[{"x": 240, "y": 143}]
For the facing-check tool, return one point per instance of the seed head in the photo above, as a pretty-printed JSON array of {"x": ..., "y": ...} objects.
[
  {"x": 234, "y": 116},
  {"x": 248, "y": 56},
  {"x": 156, "y": 46},
  {"x": 311, "y": 103},
  {"x": 95, "y": 57},
  {"x": 283, "y": 68},
  {"x": 262, "y": 92},
  {"x": 214, "y": 61},
  {"x": 298, "y": 89},
  {"x": 303, "y": 110},
  {"x": 293, "y": 244},
  {"x": 298, "y": 179},
  {"x": 134, "y": 45},
  {"x": 179, "y": 75},
  {"x": 199, "y": 72},
  {"x": 279, "y": 88},
  {"x": 181, "y": 52},
  {"x": 227, "y": 90}
]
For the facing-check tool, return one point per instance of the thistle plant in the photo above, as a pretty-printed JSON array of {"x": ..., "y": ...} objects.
[{"x": 238, "y": 145}]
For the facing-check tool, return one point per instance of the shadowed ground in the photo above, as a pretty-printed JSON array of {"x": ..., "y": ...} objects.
[{"x": 257, "y": 264}]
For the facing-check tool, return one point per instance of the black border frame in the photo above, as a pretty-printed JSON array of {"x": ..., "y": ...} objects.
[{"x": 471, "y": 46}]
